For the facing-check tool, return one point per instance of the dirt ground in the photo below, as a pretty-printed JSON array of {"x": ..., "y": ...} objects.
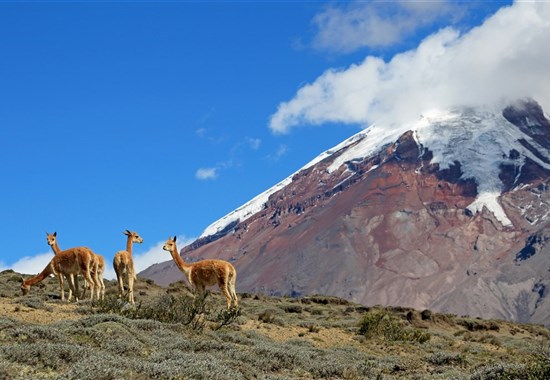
[
  {"x": 323, "y": 338},
  {"x": 16, "y": 311}
]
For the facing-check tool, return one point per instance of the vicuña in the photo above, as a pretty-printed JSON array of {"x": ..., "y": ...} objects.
[
  {"x": 98, "y": 267},
  {"x": 207, "y": 273},
  {"x": 66, "y": 264},
  {"x": 124, "y": 266}
]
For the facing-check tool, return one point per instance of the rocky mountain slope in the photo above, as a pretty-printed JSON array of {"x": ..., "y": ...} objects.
[{"x": 448, "y": 213}]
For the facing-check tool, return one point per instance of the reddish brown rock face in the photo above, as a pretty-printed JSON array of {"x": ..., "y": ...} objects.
[{"x": 393, "y": 229}]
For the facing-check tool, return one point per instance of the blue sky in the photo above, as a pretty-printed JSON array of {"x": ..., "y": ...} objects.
[{"x": 163, "y": 117}]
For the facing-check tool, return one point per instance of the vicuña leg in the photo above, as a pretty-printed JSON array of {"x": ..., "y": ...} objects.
[
  {"x": 234, "y": 298},
  {"x": 222, "y": 284},
  {"x": 85, "y": 269},
  {"x": 131, "y": 288}
]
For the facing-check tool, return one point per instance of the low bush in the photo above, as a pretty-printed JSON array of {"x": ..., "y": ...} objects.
[
  {"x": 170, "y": 308},
  {"x": 479, "y": 325},
  {"x": 45, "y": 355},
  {"x": 500, "y": 371},
  {"x": 34, "y": 302},
  {"x": 444, "y": 358},
  {"x": 293, "y": 309},
  {"x": 379, "y": 323},
  {"x": 271, "y": 316}
]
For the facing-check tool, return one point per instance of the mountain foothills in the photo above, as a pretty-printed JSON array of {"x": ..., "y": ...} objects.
[{"x": 448, "y": 213}]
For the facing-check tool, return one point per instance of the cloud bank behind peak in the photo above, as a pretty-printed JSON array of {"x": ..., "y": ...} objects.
[{"x": 503, "y": 59}]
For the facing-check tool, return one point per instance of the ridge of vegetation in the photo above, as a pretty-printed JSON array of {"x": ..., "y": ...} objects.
[{"x": 170, "y": 335}]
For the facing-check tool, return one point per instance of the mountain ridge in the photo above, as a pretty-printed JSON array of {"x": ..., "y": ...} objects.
[{"x": 424, "y": 219}]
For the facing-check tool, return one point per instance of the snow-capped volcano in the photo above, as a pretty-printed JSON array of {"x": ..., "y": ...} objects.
[
  {"x": 448, "y": 212},
  {"x": 481, "y": 139}
]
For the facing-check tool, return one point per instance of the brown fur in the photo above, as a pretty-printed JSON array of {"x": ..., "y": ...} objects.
[
  {"x": 66, "y": 264},
  {"x": 52, "y": 242},
  {"x": 207, "y": 273},
  {"x": 96, "y": 271},
  {"x": 124, "y": 266}
]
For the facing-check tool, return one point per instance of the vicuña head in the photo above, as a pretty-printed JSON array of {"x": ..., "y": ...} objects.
[
  {"x": 134, "y": 236},
  {"x": 51, "y": 238},
  {"x": 25, "y": 287},
  {"x": 206, "y": 273}
]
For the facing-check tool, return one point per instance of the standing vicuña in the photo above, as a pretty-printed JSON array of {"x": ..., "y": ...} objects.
[
  {"x": 97, "y": 269},
  {"x": 207, "y": 273},
  {"x": 66, "y": 264},
  {"x": 124, "y": 266}
]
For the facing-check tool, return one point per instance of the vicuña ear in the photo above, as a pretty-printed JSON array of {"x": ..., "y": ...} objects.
[
  {"x": 174, "y": 239},
  {"x": 55, "y": 234},
  {"x": 127, "y": 233}
]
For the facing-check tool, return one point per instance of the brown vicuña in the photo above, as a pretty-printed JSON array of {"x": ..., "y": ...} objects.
[
  {"x": 66, "y": 264},
  {"x": 98, "y": 267},
  {"x": 124, "y": 266},
  {"x": 52, "y": 242},
  {"x": 207, "y": 273}
]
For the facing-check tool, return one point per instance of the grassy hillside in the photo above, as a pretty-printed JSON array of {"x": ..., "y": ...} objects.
[{"x": 170, "y": 336}]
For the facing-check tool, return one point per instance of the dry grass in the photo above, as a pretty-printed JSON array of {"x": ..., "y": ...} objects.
[{"x": 168, "y": 335}]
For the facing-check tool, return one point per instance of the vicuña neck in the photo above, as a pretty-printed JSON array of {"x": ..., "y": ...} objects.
[
  {"x": 55, "y": 248},
  {"x": 129, "y": 245},
  {"x": 184, "y": 267},
  {"x": 41, "y": 276}
]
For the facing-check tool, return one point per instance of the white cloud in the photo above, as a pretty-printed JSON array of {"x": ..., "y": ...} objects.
[
  {"x": 343, "y": 29},
  {"x": 206, "y": 173},
  {"x": 144, "y": 260},
  {"x": 505, "y": 58},
  {"x": 153, "y": 255},
  {"x": 32, "y": 264},
  {"x": 281, "y": 151},
  {"x": 201, "y": 132},
  {"x": 156, "y": 254},
  {"x": 253, "y": 143}
]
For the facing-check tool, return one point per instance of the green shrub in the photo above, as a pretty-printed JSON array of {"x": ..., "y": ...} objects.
[
  {"x": 444, "y": 358},
  {"x": 271, "y": 316},
  {"x": 479, "y": 325},
  {"x": 316, "y": 311},
  {"x": 44, "y": 355},
  {"x": 426, "y": 315},
  {"x": 325, "y": 300},
  {"x": 266, "y": 316},
  {"x": 167, "y": 308},
  {"x": 226, "y": 317},
  {"x": 312, "y": 328},
  {"x": 101, "y": 365},
  {"x": 37, "y": 334},
  {"x": 379, "y": 323},
  {"x": 34, "y": 302},
  {"x": 500, "y": 371},
  {"x": 293, "y": 309}
]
